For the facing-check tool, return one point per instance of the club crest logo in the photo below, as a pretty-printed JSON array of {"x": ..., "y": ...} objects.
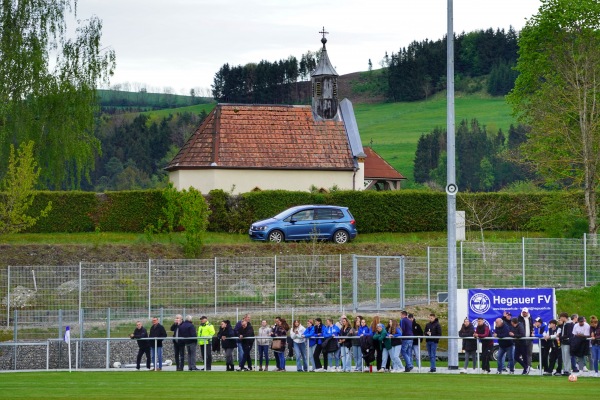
[{"x": 479, "y": 303}]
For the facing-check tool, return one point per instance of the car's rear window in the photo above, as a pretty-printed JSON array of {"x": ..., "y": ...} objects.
[{"x": 328, "y": 213}]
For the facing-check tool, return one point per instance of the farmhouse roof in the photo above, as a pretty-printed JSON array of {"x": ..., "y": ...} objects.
[
  {"x": 377, "y": 168},
  {"x": 265, "y": 137}
]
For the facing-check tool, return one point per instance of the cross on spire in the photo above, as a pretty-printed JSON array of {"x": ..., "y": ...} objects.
[{"x": 324, "y": 33}]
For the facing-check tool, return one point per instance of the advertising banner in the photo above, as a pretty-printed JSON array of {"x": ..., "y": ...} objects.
[{"x": 491, "y": 303}]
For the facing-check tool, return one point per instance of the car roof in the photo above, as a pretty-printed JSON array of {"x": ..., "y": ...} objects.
[{"x": 316, "y": 206}]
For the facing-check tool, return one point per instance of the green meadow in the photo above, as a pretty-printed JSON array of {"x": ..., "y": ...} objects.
[
  {"x": 257, "y": 385},
  {"x": 395, "y": 128}
]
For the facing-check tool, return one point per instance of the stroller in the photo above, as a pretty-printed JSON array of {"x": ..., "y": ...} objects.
[{"x": 367, "y": 349}]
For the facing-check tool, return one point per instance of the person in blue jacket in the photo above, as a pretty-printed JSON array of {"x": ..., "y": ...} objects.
[
  {"x": 309, "y": 334},
  {"x": 540, "y": 329},
  {"x": 330, "y": 344}
]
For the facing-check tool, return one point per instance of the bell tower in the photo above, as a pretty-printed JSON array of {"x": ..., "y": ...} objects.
[{"x": 324, "y": 87}]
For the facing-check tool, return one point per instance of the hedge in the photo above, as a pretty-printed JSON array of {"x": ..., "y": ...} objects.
[{"x": 390, "y": 211}]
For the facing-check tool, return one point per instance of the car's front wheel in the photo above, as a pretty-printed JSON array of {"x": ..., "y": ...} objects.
[
  {"x": 276, "y": 236},
  {"x": 341, "y": 237}
]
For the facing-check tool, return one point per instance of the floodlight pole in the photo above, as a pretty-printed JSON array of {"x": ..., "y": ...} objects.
[{"x": 451, "y": 190}]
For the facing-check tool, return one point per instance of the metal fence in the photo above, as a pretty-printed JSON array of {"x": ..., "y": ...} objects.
[{"x": 35, "y": 298}]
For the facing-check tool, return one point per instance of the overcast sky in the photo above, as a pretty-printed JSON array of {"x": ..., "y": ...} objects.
[{"x": 182, "y": 43}]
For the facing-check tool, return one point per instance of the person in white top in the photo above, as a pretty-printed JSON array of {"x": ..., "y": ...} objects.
[
  {"x": 263, "y": 345},
  {"x": 297, "y": 335},
  {"x": 579, "y": 342}
]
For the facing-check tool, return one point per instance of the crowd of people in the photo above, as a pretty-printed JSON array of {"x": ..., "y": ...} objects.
[{"x": 350, "y": 345}]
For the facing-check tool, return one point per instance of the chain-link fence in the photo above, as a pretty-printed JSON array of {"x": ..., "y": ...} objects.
[{"x": 94, "y": 298}]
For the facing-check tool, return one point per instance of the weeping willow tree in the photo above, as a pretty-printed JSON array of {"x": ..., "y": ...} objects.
[{"x": 48, "y": 80}]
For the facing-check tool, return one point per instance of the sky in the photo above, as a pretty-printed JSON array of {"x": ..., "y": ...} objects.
[{"x": 181, "y": 44}]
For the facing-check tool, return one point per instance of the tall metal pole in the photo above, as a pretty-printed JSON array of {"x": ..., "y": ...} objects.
[{"x": 451, "y": 190}]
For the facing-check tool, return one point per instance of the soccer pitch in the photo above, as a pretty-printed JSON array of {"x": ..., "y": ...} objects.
[{"x": 258, "y": 385}]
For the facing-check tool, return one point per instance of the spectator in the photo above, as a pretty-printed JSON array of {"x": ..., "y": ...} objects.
[
  {"x": 566, "y": 330},
  {"x": 263, "y": 344},
  {"x": 330, "y": 344},
  {"x": 432, "y": 328},
  {"x": 595, "y": 335},
  {"x": 395, "y": 334},
  {"x": 157, "y": 331},
  {"x": 505, "y": 346},
  {"x": 309, "y": 334},
  {"x": 178, "y": 344},
  {"x": 206, "y": 330},
  {"x": 297, "y": 335},
  {"x": 318, "y": 338},
  {"x": 406, "y": 326},
  {"x": 187, "y": 330},
  {"x": 469, "y": 344},
  {"x": 551, "y": 337},
  {"x": 346, "y": 345},
  {"x": 539, "y": 330},
  {"x": 520, "y": 354},
  {"x": 527, "y": 322},
  {"x": 482, "y": 331},
  {"x": 356, "y": 351},
  {"x": 579, "y": 342},
  {"x": 143, "y": 345},
  {"x": 381, "y": 340},
  {"x": 226, "y": 335},
  {"x": 378, "y": 352},
  {"x": 246, "y": 336},
  {"x": 416, "y": 347}
]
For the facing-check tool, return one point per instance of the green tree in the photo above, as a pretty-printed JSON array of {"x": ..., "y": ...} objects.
[
  {"x": 557, "y": 94},
  {"x": 193, "y": 219},
  {"x": 48, "y": 86},
  {"x": 18, "y": 184}
]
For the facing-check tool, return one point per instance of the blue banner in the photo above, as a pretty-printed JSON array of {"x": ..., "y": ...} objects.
[{"x": 492, "y": 303}]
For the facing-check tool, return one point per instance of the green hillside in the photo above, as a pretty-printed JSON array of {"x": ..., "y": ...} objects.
[{"x": 395, "y": 128}]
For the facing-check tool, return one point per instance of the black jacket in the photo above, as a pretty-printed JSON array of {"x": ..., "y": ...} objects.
[
  {"x": 187, "y": 330},
  {"x": 435, "y": 328},
  {"x": 566, "y": 332},
  {"x": 247, "y": 332},
  {"x": 519, "y": 332},
  {"x": 469, "y": 342},
  {"x": 225, "y": 333},
  {"x": 141, "y": 333},
  {"x": 157, "y": 331}
]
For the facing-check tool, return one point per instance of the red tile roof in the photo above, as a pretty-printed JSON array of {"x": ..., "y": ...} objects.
[
  {"x": 265, "y": 137},
  {"x": 377, "y": 168}
]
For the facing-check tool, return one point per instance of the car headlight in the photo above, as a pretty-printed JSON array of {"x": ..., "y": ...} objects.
[{"x": 259, "y": 228}]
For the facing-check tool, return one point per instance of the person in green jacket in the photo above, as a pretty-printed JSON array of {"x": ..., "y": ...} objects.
[
  {"x": 206, "y": 330},
  {"x": 384, "y": 341}
]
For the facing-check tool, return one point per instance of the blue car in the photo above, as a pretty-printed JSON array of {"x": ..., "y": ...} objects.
[{"x": 307, "y": 223}]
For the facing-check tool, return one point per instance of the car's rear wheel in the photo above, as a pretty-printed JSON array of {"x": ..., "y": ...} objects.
[
  {"x": 341, "y": 237},
  {"x": 276, "y": 236}
]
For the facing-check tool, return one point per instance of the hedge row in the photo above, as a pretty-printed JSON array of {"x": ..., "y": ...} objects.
[{"x": 398, "y": 211}]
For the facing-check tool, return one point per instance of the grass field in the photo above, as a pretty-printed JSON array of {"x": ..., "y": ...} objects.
[{"x": 254, "y": 385}]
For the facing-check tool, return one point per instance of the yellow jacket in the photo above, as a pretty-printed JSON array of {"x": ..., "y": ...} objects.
[{"x": 205, "y": 330}]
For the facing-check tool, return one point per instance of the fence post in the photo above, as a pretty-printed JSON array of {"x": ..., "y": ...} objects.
[
  {"x": 354, "y": 283},
  {"x": 216, "y": 300},
  {"x": 149, "y": 288},
  {"x": 428, "y": 275},
  {"x": 584, "y": 259},
  {"x": 523, "y": 256},
  {"x": 341, "y": 300},
  {"x": 378, "y": 283},
  {"x": 108, "y": 336},
  {"x": 60, "y": 317},
  {"x": 402, "y": 287},
  {"x": 8, "y": 298},
  {"x": 15, "y": 337},
  {"x": 275, "y": 277},
  {"x": 461, "y": 265}
]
